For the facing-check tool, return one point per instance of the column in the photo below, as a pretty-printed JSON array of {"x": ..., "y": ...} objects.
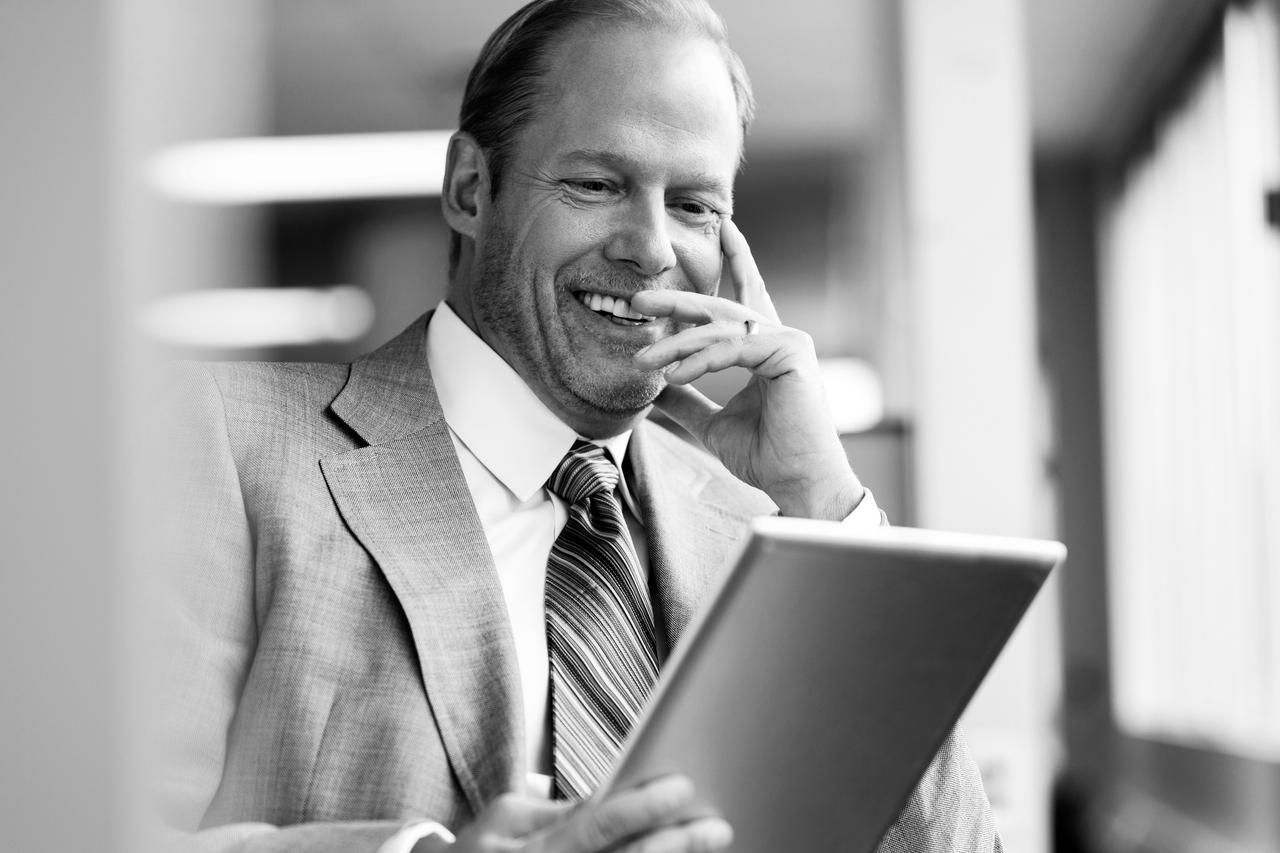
[{"x": 976, "y": 399}]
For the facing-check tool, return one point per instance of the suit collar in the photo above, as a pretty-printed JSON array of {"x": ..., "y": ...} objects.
[
  {"x": 389, "y": 393},
  {"x": 695, "y": 514},
  {"x": 405, "y": 498}
]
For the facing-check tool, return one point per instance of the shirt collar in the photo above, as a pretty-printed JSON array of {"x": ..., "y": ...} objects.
[{"x": 482, "y": 396}]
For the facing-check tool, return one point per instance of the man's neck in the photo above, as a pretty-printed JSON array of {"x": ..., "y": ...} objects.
[{"x": 587, "y": 420}]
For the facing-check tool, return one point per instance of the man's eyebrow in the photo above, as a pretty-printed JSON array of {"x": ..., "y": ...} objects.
[{"x": 698, "y": 180}]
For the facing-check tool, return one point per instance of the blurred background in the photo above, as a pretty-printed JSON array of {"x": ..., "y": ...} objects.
[{"x": 1035, "y": 242}]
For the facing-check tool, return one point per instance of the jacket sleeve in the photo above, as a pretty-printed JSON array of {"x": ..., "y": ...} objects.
[
  {"x": 209, "y": 635},
  {"x": 948, "y": 811}
]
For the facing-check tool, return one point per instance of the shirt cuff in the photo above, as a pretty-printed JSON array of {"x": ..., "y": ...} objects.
[
  {"x": 403, "y": 841},
  {"x": 538, "y": 785},
  {"x": 866, "y": 514}
]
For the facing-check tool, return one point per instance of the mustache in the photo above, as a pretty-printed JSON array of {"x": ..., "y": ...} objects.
[{"x": 615, "y": 281}]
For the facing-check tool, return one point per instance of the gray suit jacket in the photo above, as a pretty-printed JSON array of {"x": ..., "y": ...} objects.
[{"x": 344, "y": 660}]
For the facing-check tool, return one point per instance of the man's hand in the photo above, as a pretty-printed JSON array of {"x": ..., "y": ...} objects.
[
  {"x": 646, "y": 819},
  {"x": 776, "y": 434}
]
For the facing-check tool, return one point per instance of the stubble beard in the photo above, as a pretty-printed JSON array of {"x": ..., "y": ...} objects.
[{"x": 622, "y": 393}]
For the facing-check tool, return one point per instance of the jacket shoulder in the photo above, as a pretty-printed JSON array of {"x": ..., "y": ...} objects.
[
  {"x": 266, "y": 408},
  {"x": 257, "y": 382}
]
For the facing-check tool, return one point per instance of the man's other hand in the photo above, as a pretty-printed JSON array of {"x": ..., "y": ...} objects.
[
  {"x": 776, "y": 434},
  {"x": 650, "y": 818}
]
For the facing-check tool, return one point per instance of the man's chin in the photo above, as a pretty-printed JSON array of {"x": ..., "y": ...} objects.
[{"x": 622, "y": 398}]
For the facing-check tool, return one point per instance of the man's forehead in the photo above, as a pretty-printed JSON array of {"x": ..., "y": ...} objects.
[{"x": 639, "y": 101}]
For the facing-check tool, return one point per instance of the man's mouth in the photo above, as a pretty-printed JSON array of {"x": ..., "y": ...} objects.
[{"x": 616, "y": 308}]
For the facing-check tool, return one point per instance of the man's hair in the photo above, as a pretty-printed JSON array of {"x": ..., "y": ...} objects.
[{"x": 505, "y": 87}]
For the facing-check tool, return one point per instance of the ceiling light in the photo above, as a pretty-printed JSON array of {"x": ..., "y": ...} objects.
[
  {"x": 302, "y": 168},
  {"x": 229, "y": 318}
]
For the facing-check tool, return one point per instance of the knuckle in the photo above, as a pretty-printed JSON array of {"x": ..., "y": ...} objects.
[
  {"x": 802, "y": 340},
  {"x": 726, "y": 329},
  {"x": 603, "y": 827},
  {"x": 663, "y": 799},
  {"x": 504, "y": 805},
  {"x": 721, "y": 349}
]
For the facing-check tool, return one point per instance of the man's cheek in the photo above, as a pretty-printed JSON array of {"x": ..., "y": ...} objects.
[{"x": 705, "y": 271}]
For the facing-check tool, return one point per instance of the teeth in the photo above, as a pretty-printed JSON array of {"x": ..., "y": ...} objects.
[{"x": 615, "y": 305}]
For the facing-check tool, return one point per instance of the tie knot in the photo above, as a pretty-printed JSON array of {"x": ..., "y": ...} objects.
[{"x": 585, "y": 470}]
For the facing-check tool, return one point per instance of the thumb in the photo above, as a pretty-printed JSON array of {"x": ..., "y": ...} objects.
[
  {"x": 688, "y": 407},
  {"x": 518, "y": 815}
]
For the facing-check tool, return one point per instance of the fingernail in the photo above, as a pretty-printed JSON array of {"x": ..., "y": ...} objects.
[{"x": 643, "y": 350}]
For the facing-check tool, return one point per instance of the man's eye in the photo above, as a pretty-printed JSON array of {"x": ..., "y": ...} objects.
[
  {"x": 695, "y": 209},
  {"x": 590, "y": 186}
]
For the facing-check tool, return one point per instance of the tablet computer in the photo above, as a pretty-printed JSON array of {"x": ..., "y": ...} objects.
[{"x": 821, "y": 677}]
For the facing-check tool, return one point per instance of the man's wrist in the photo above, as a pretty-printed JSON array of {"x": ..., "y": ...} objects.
[
  {"x": 825, "y": 501},
  {"x": 425, "y": 836},
  {"x": 432, "y": 844}
]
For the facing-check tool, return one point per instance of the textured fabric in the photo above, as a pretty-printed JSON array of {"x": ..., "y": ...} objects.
[
  {"x": 343, "y": 662},
  {"x": 600, "y": 633},
  {"x": 948, "y": 811},
  {"x": 506, "y": 470}
]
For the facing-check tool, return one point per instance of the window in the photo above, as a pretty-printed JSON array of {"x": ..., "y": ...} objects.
[{"x": 1190, "y": 309}]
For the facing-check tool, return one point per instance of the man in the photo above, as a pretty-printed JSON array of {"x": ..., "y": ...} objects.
[{"x": 387, "y": 634}]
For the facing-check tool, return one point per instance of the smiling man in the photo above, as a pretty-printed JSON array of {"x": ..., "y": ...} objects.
[{"x": 427, "y": 593}]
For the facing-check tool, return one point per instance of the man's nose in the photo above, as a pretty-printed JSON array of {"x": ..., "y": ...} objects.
[{"x": 640, "y": 238}]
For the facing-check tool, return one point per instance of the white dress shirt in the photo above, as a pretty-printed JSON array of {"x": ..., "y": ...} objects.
[{"x": 508, "y": 444}]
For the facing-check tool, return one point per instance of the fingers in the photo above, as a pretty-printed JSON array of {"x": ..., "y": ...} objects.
[
  {"x": 750, "y": 299},
  {"x": 744, "y": 276},
  {"x": 519, "y": 814},
  {"x": 687, "y": 307},
  {"x": 650, "y": 818},
  {"x": 699, "y": 836},
  {"x": 630, "y": 813},
  {"x": 720, "y": 336},
  {"x": 715, "y": 346},
  {"x": 688, "y": 341}
]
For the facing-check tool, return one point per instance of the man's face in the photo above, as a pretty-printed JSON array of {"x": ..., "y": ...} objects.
[{"x": 616, "y": 186}]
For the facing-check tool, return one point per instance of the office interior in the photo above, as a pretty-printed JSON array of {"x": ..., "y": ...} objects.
[{"x": 1037, "y": 244}]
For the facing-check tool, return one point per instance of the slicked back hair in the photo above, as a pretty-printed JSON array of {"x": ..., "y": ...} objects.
[{"x": 505, "y": 88}]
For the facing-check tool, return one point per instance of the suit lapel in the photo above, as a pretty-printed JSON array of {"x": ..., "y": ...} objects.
[
  {"x": 405, "y": 498},
  {"x": 694, "y": 517}
]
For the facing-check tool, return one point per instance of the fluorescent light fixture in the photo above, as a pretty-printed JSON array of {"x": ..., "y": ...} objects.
[
  {"x": 302, "y": 168},
  {"x": 853, "y": 392},
  {"x": 232, "y": 318}
]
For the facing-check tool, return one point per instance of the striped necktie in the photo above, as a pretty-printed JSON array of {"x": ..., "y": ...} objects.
[{"x": 600, "y": 634}]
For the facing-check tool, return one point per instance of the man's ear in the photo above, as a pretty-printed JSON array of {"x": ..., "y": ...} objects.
[{"x": 466, "y": 184}]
